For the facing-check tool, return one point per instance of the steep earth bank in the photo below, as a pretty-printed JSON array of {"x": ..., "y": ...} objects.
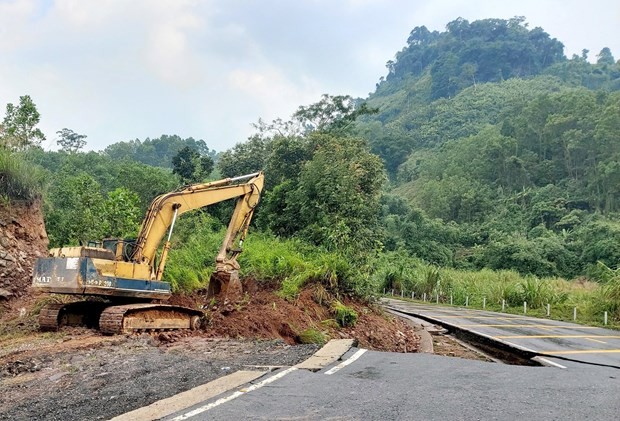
[{"x": 22, "y": 240}]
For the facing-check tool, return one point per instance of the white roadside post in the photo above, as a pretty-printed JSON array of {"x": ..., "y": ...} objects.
[
  {"x": 450, "y": 299},
  {"x": 548, "y": 310},
  {"x": 437, "y": 300},
  {"x": 484, "y": 303},
  {"x": 524, "y": 307},
  {"x": 424, "y": 298},
  {"x": 575, "y": 313},
  {"x": 467, "y": 301},
  {"x": 503, "y": 305},
  {"x": 605, "y": 318}
]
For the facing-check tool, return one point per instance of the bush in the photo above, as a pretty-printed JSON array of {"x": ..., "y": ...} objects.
[
  {"x": 311, "y": 336},
  {"x": 345, "y": 316}
]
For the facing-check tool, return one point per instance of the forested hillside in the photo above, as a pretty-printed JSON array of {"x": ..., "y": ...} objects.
[
  {"x": 503, "y": 150},
  {"x": 484, "y": 147}
]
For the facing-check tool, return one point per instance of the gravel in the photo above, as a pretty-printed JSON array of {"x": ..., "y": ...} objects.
[{"x": 103, "y": 380}]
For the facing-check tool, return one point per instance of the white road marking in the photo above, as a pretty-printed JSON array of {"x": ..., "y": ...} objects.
[
  {"x": 546, "y": 361},
  {"x": 235, "y": 395},
  {"x": 346, "y": 362}
]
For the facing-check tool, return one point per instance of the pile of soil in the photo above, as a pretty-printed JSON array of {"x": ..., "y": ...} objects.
[{"x": 263, "y": 314}]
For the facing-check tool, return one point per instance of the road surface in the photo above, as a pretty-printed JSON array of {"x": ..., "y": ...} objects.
[
  {"x": 550, "y": 338},
  {"x": 390, "y": 386}
]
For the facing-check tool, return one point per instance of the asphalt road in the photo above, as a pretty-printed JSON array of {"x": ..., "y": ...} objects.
[
  {"x": 555, "y": 339},
  {"x": 390, "y": 386}
]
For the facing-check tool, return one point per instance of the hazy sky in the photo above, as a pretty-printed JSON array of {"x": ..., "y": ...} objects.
[{"x": 123, "y": 69}]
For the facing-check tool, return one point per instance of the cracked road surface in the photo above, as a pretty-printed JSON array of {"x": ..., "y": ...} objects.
[
  {"x": 380, "y": 386},
  {"x": 557, "y": 340}
]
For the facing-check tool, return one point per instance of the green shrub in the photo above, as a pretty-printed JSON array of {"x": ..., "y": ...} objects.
[
  {"x": 312, "y": 336},
  {"x": 345, "y": 316}
]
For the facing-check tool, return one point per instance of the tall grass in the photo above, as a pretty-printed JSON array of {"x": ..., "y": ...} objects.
[
  {"x": 288, "y": 264},
  {"x": 192, "y": 256},
  {"x": 19, "y": 179},
  {"x": 292, "y": 264},
  {"x": 402, "y": 273}
]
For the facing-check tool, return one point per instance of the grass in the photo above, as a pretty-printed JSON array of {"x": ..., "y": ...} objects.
[
  {"x": 289, "y": 264},
  {"x": 345, "y": 316},
  {"x": 19, "y": 179},
  {"x": 490, "y": 288},
  {"x": 312, "y": 336}
]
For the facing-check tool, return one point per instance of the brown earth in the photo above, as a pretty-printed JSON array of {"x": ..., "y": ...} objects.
[
  {"x": 265, "y": 315},
  {"x": 22, "y": 240}
]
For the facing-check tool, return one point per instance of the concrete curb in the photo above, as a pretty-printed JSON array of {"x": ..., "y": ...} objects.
[
  {"x": 191, "y": 397},
  {"x": 330, "y": 353}
]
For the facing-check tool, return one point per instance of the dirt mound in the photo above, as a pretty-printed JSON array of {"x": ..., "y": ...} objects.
[
  {"x": 265, "y": 315},
  {"x": 22, "y": 240}
]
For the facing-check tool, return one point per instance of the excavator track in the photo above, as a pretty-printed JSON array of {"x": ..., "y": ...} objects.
[
  {"x": 48, "y": 317},
  {"x": 147, "y": 317},
  {"x": 113, "y": 320},
  {"x": 82, "y": 313}
]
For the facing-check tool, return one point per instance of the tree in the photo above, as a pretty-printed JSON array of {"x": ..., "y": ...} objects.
[
  {"x": 19, "y": 125},
  {"x": 334, "y": 114},
  {"x": 77, "y": 210},
  {"x": 122, "y": 213},
  {"x": 70, "y": 141},
  {"x": 337, "y": 198},
  {"x": 191, "y": 166},
  {"x": 244, "y": 158},
  {"x": 605, "y": 57},
  {"x": 156, "y": 152}
]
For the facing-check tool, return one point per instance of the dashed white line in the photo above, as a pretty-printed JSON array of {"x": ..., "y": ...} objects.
[{"x": 346, "y": 362}]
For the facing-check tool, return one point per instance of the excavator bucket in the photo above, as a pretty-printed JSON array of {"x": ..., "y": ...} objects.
[{"x": 225, "y": 287}]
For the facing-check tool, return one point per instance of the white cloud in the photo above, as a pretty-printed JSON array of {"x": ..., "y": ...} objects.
[{"x": 14, "y": 17}]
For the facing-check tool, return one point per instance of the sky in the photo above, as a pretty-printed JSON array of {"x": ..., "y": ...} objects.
[{"x": 117, "y": 70}]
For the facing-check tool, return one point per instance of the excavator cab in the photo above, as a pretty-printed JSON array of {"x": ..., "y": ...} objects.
[{"x": 122, "y": 248}]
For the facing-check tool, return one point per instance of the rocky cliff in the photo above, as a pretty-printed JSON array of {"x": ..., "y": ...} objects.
[{"x": 22, "y": 240}]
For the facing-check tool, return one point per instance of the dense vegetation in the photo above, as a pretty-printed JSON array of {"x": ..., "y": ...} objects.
[{"x": 484, "y": 163}]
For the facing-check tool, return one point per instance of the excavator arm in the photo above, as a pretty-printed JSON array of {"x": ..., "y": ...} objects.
[{"x": 164, "y": 210}]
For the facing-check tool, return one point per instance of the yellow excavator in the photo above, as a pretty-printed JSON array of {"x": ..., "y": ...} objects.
[{"x": 126, "y": 275}]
